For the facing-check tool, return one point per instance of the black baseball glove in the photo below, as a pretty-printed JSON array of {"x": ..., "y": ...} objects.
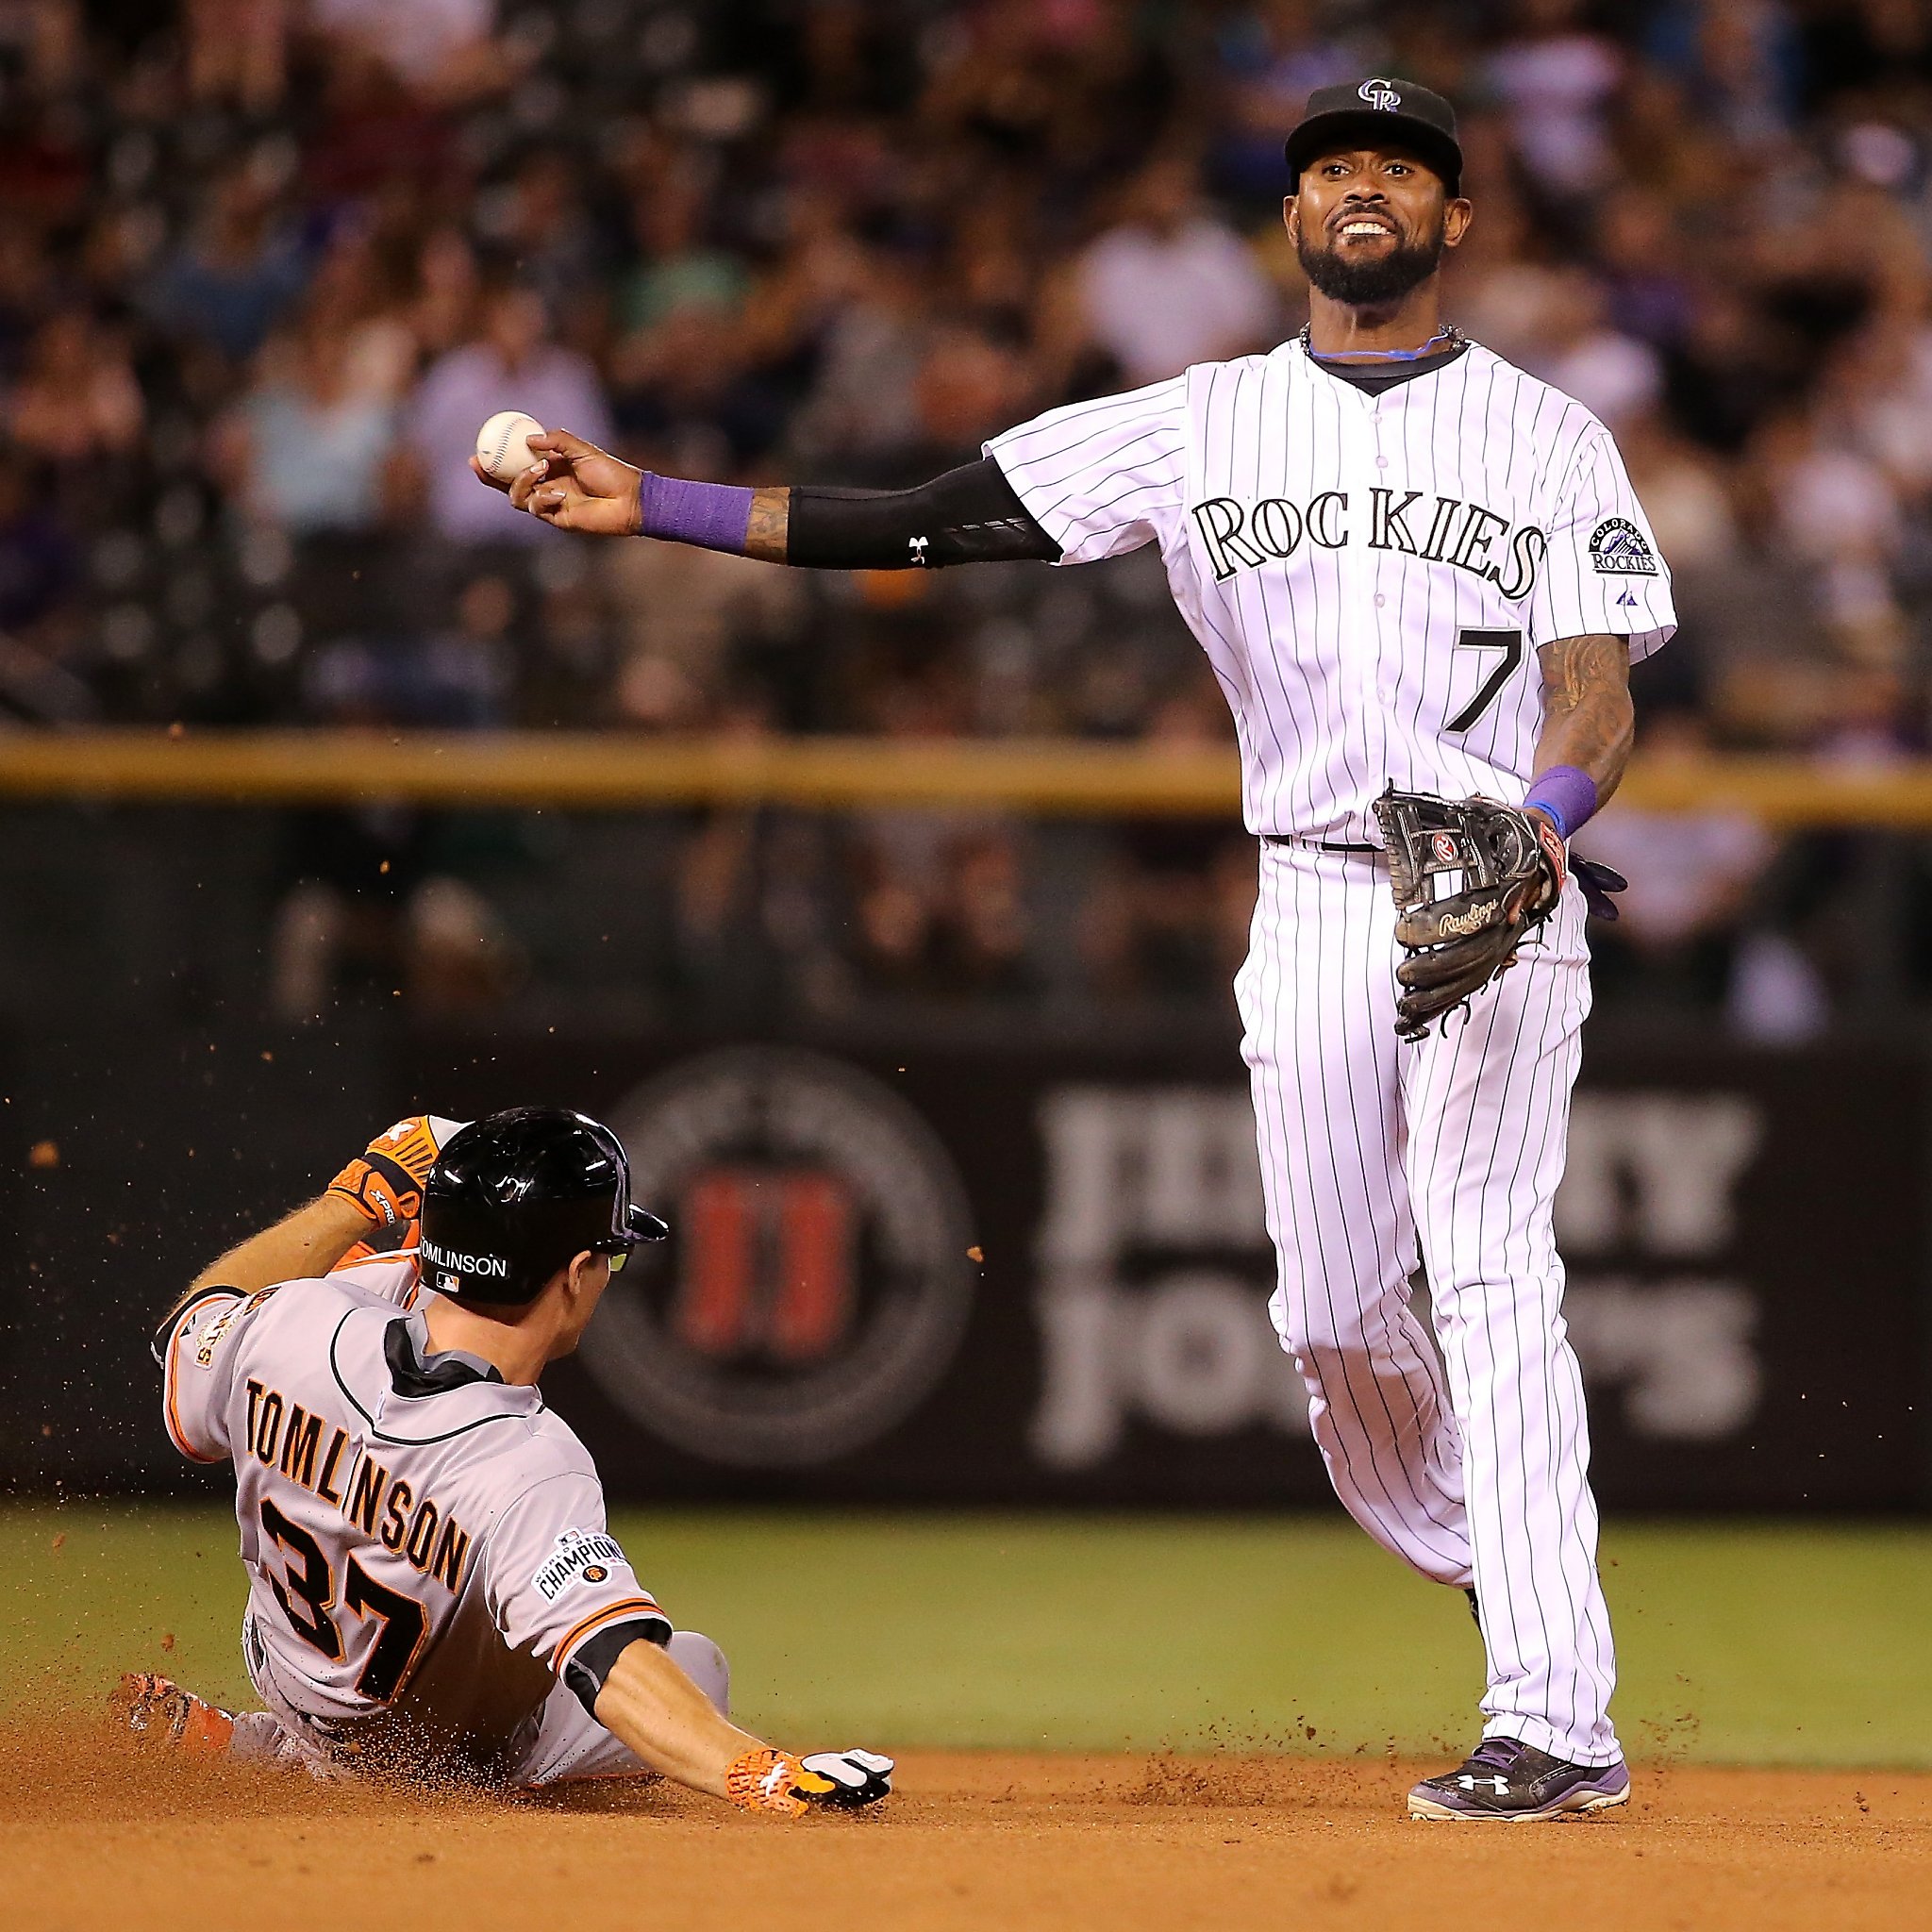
[{"x": 1509, "y": 869}]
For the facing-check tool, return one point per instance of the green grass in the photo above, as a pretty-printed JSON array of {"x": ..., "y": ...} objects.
[{"x": 1740, "y": 1643}]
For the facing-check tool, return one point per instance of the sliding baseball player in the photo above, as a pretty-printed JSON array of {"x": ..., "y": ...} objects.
[{"x": 433, "y": 1590}]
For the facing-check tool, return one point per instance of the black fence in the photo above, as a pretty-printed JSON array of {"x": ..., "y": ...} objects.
[{"x": 988, "y": 1270}]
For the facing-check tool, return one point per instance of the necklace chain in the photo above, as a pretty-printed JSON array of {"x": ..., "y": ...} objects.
[{"x": 1448, "y": 333}]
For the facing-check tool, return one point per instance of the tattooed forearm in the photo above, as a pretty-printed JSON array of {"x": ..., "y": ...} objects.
[
  {"x": 769, "y": 531},
  {"x": 1588, "y": 718}
]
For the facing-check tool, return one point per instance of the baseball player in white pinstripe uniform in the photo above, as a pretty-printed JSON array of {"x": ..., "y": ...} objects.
[{"x": 1413, "y": 568}]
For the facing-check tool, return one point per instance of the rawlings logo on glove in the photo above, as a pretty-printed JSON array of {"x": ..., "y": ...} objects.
[{"x": 1475, "y": 920}]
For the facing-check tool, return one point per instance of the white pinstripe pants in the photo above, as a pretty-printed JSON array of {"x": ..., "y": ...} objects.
[{"x": 1373, "y": 1150}]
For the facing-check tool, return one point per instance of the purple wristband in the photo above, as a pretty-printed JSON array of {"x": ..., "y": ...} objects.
[
  {"x": 1568, "y": 796},
  {"x": 714, "y": 516}
]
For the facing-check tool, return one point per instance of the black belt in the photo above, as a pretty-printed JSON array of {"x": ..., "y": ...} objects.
[{"x": 1320, "y": 844}]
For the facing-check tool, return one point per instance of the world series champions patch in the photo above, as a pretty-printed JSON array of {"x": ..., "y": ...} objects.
[
  {"x": 234, "y": 1311},
  {"x": 581, "y": 1555},
  {"x": 1617, "y": 549}
]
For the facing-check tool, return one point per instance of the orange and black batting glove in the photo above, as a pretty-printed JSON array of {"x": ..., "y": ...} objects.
[
  {"x": 385, "y": 1180},
  {"x": 776, "y": 1782}
]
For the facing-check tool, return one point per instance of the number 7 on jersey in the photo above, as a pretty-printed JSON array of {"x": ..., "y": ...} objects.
[{"x": 1510, "y": 644}]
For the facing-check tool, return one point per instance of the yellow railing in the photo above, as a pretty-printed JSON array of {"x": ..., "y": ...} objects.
[{"x": 598, "y": 771}]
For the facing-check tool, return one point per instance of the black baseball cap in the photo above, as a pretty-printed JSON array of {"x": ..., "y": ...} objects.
[{"x": 1358, "y": 113}]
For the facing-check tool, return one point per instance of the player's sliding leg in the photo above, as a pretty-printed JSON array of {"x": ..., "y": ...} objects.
[
  {"x": 571, "y": 1743},
  {"x": 1488, "y": 1102},
  {"x": 1318, "y": 1001},
  {"x": 705, "y": 1664},
  {"x": 159, "y": 1712},
  {"x": 568, "y": 1744}
]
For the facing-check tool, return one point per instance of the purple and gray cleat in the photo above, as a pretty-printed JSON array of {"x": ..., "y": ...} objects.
[{"x": 1507, "y": 1780}]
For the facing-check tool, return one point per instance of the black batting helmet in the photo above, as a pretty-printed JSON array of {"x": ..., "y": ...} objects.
[{"x": 514, "y": 1196}]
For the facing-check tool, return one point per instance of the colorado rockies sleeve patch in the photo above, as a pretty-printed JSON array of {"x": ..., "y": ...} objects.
[{"x": 1617, "y": 548}]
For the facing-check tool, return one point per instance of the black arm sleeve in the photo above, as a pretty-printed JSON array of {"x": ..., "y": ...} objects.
[
  {"x": 970, "y": 515},
  {"x": 596, "y": 1657}
]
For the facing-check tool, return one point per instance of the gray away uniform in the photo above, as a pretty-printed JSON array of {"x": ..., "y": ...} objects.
[{"x": 432, "y": 1584}]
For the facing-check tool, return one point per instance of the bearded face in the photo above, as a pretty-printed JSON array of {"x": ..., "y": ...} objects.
[
  {"x": 1365, "y": 273},
  {"x": 1369, "y": 224}
]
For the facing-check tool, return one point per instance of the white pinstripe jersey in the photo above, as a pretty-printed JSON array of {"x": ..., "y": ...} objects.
[{"x": 1371, "y": 575}]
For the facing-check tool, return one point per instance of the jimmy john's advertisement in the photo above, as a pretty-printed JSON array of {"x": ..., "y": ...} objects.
[
  {"x": 1004, "y": 1279},
  {"x": 900, "y": 1275}
]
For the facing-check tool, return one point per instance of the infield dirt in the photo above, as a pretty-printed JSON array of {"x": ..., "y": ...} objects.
[{"x": 93, "y": 1835}]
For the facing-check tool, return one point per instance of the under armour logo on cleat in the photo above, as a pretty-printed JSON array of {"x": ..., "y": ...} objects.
[
  {"x": 1499, "y": 1785},
  {"x": 917, "y": 546}
]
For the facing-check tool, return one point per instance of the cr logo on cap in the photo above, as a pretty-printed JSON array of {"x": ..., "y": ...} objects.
[{"x": 1380, "y": 93}]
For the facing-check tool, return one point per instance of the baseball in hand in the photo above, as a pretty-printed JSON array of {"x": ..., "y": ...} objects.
[{"x": 503, "y": 444}]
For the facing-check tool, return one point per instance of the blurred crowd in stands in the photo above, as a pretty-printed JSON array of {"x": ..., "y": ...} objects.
[{"x": 265, "y": 265}]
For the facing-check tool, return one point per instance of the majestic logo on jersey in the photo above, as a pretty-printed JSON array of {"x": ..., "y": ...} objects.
[
  {"x": 1380, "y": 93},
  {"x": 1617, "y": 549},
  {"x": 818, "y": 1279},
  {"x": 1440, "y": 529},
  {"x": 581, "y": 1555}
]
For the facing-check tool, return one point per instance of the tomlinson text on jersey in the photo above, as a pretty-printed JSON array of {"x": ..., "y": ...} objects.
[{"x": 307, "y": 1449}]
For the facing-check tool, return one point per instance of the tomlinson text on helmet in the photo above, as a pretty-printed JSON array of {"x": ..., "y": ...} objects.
[{"x": 493, "y": 1266}]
